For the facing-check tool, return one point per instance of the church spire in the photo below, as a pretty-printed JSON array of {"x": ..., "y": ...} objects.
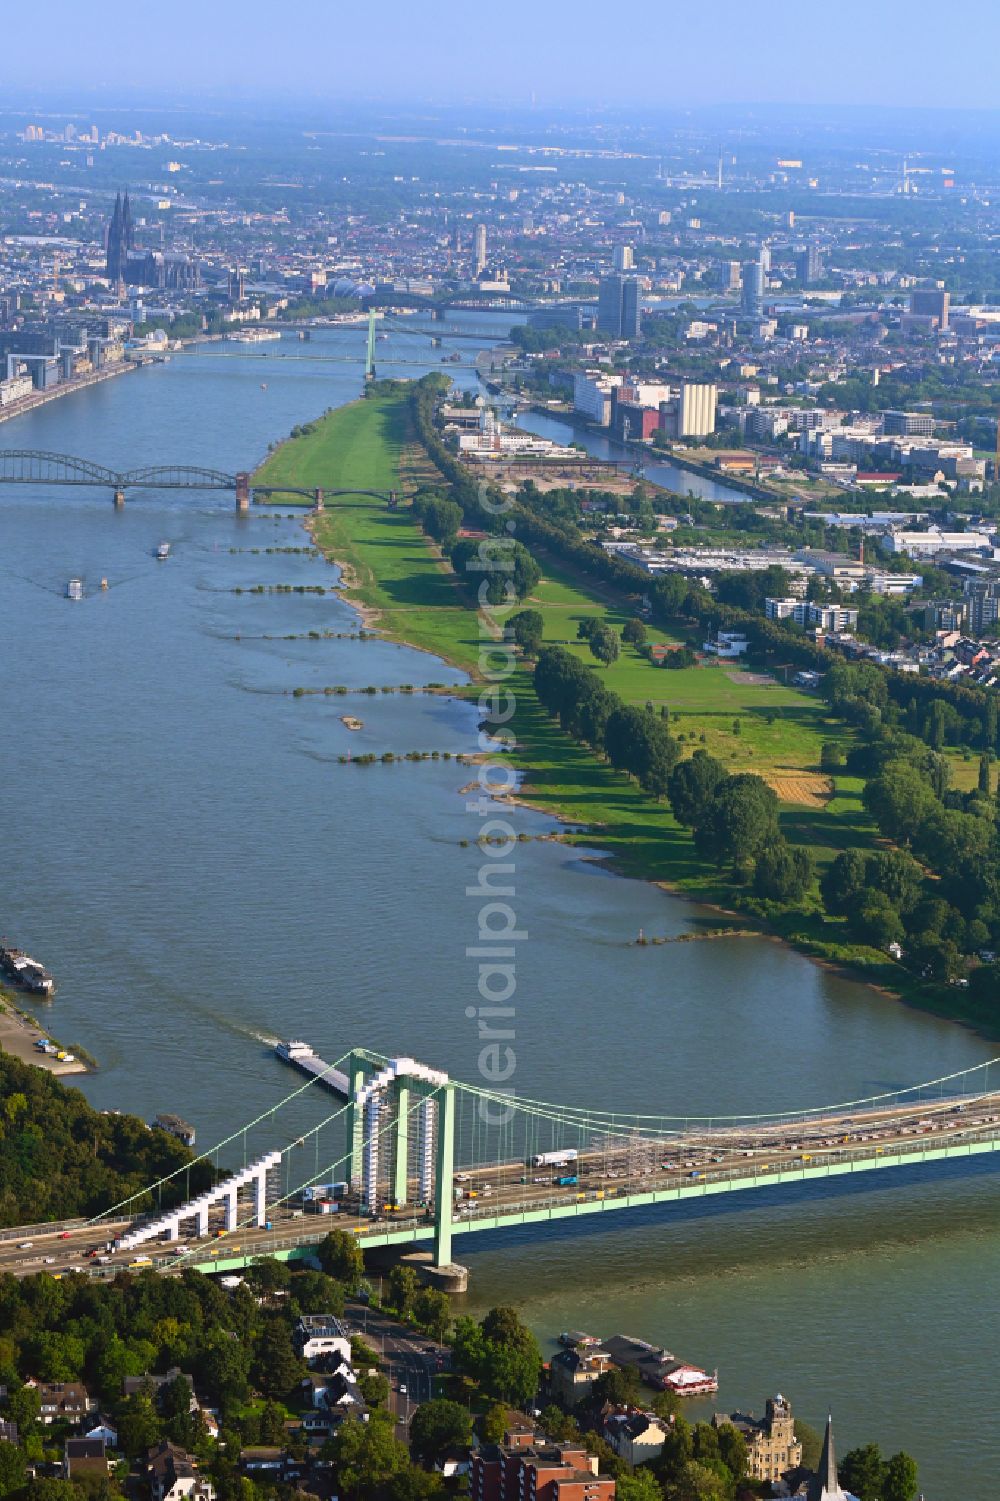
[
  {"x": 114, "y": 255},
  {"x": 824, "y": 1486}
]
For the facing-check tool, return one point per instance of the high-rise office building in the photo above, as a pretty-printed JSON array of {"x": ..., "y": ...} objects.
[
  {"x": 931, "y": 302},
  {"x": 765, "y": 257},
  {"x": 731, "y": 278},
  {"x": 618, "y": 313},
  {"x": 809, "y": 266},
  {"x": 753, "y": 289},
  {"x": 622, "y": 258},
  {"x": 479, "y": 249}
]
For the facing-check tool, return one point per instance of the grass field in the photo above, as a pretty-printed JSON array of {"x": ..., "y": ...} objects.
[
  {"x": 389, "y": 567},
  {"x": 749, "y": 721}
]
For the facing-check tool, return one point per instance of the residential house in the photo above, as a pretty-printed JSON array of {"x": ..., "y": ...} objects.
[
  {"x": 636, "y": 1436},
  {"x": 268, "y": 1463},
  {"x": 172, "y": 1475},
  {"x": 453, "y": 1462},
  {"x": 64, "y": 1401},
  {"x": 314, "y": 1387},
  {"x": 84, "y": 1456},
  {"x": 263, "y": 1459},
  {"x": 104, "y": 1430},
  {"x": 319, "y": 1334},
  {"x": 572, "y": 1374},
  {"x": 133, "y": 1384}
]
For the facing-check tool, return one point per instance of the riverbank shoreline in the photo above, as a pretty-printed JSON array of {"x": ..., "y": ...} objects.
[
  {"x": 20, "y": 1031},
  {"x": 449, "y": 631},
  {"x": 65, "y": 388}
]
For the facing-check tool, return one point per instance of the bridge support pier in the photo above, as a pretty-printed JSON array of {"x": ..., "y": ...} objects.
[
  {"x": 318, "y": 499},
  {"x": 393, "y": 500},
  {"x": 243, "y": 491},
  {"x": 119, "y": 498}
]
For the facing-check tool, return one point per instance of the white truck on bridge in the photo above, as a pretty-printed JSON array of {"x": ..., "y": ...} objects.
[{"x": 554, "y": 1159}]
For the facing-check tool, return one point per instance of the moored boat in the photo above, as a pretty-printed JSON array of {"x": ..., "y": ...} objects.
[{"x": 25, "y": 971}]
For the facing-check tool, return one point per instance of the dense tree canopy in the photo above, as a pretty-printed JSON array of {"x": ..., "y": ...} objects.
[{"x": 60, "y": 1158}]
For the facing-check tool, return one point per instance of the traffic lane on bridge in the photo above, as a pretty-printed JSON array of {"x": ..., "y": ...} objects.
[
  {"x": 872, "y": 1131},
  {"x": 41, "y": 1249}
]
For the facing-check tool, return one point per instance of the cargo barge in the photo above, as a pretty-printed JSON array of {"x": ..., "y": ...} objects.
[
  {"x": 25, "y": 971},
  {"x": 301, "y": 1056}
]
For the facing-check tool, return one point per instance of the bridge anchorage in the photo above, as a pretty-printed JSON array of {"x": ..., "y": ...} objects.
[{"x": 411, "y": 1158}]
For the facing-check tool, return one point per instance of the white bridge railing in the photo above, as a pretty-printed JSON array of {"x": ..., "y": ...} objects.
[{"x": 168, "y": 1225}]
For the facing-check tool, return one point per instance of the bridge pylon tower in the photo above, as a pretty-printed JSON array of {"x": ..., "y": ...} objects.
[
  {"x": 392, "y": 1106},
  {"x": 370, "y": 351}
]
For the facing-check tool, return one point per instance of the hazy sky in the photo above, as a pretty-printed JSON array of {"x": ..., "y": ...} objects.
[{"x": 886, "y": 52}]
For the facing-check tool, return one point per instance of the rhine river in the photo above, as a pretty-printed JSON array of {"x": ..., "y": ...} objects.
[{"x": 184, "y": 850}]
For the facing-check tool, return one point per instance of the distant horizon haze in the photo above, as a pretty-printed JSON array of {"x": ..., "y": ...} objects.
[{"x": 910, "y": 55}]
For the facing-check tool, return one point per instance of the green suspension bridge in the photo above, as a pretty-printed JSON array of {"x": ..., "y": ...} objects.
[{"x": 410, "y": 1157}]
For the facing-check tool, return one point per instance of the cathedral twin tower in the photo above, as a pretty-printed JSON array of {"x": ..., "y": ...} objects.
[{"x": 121, "y": 239}]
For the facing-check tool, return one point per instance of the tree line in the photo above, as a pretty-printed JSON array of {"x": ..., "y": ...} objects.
[{"x": 636, "y": 741}]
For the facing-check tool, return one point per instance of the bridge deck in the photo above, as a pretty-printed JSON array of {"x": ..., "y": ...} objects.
[
  {"x": 605, "y": 1173},
  {"x": 386, "y": 1233},
  {"x": 517, "y": 1206}
]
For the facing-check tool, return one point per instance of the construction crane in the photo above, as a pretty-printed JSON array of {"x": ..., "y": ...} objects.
[{"x": 57, "y": 262}]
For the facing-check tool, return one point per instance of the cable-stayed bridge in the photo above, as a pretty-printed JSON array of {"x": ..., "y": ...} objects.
[{"x": 410, "y": 1156}]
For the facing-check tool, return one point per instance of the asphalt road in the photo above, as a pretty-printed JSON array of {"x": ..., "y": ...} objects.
[{"x": 410, "y": 1360}]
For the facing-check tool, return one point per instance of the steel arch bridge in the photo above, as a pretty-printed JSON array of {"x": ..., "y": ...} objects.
[{"x": 31, "y": 466}]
